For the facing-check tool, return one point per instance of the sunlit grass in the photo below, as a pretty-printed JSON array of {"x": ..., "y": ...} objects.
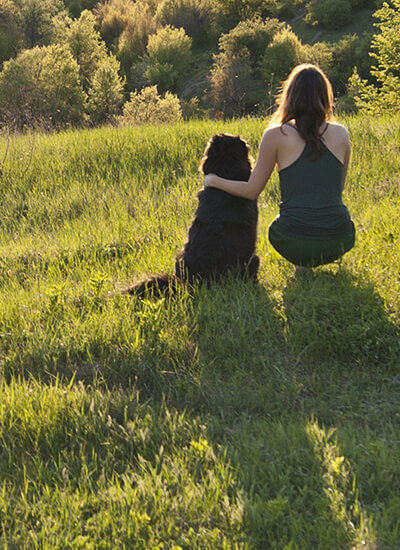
[{"x": 237, "y": 416}]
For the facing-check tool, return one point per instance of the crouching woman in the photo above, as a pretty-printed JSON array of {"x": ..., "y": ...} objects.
[{"x": 311, "y": 153}]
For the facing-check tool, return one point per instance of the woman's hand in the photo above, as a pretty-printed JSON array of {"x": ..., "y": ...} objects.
[{"x": 209, "y": 179}]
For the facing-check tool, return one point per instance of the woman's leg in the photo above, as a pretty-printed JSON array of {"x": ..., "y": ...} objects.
[{"x": 309, "y": 252}]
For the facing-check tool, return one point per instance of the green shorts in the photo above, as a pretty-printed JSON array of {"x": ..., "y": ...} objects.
[{"x": 309, "y": 252}]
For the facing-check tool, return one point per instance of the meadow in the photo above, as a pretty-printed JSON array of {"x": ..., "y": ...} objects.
[{"x": 234, "y": 417}]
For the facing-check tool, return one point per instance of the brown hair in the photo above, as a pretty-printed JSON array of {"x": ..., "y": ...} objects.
[{"x": 306, "y": 98}]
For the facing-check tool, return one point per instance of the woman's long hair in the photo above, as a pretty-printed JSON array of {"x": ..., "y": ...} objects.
[{"x": 306, "y": 98}]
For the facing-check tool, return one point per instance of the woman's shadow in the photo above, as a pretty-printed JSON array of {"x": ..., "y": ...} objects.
[{"x": 341, "y": 339}]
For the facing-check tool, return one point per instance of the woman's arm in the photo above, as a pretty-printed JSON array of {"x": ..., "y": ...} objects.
[
  {"x": 346, "y": 159},
  {"x": 266, "y": 161}
]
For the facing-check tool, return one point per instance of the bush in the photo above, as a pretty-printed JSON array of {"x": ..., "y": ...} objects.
[
  {"x": 11, "y": 35},
  {"x": 234, "y": 90},
  {"x": 133, "y": 41},
  {"x": 332, "y": 14},
  {"x": 281, "y": 56},
  {"x": 148, "y": 107},
  {"x": 113, "y": 17},
  {"x": 196, "y": 17},
  {"x": 237, "y": 86},
  {"x": 234, "y": 11},
  {"x": 106, "y": 92},
  {"x": 86, "y": 46},
  {"x": 41, "y": 87},
  {"x": 38, "y": 20},
  {"x": 252, "y": 36},
  {"x": 168, "y": 54},
  {"x": 385, "y": 96}
]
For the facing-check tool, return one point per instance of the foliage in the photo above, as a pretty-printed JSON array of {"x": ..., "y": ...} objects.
[
  {"x": 41, "y": 87},
  {"x": 281, "y": 56},
  {"x": 76, "y": 7},
  {"x": 106, "y": 91},
  {"x": 234, "y": 88},
  {"x": 253, "y": 35},
  {"x": 236, "y": 11},
  {"x": 133, "y": 41},
  {"x": 385, "y": 95},
  {"x": 168, "y": 53},
  {"x": 11, "y": 33},
  {"x": 332, "y": 14},
  {"x": 86, "y": 46},
  {"x": 38, "y": 19},
  {"x": 237, "y": 85},
  {"x": 148, "y": 107},
  {"x": 196, "y": 17},
  {"x": 113, "y": 17}
]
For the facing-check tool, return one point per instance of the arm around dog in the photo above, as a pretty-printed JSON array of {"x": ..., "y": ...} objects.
[{"x": 266, "y": 160}]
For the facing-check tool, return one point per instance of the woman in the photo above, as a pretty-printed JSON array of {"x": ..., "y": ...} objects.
[{"x": 311, "y": 153}]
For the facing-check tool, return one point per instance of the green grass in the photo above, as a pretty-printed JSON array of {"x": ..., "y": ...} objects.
[{"x": 235, "y": 417}]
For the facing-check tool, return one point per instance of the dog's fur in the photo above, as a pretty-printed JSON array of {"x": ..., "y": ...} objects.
[{"x": 222, "y": 237}]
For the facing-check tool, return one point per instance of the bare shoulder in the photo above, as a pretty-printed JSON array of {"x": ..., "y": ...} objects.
[{"x": 339, "y": 130}]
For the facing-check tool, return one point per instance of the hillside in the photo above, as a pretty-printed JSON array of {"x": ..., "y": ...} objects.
[
  {"x": 76, "y": 63},
  {"x": 233, "y": 417}
]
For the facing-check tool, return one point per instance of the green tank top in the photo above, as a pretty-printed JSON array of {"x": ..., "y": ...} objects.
[{"x": 311, "y": 196}]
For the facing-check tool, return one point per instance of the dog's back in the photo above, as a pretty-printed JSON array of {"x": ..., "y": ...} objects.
[{"x": 223, "y": 234}]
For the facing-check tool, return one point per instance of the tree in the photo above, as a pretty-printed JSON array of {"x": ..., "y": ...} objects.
[
  {"x": 76, "y": 7},
  {"x": 132, "y": 44},
  {"x": 234, "y": 11},
  {"x": 281, "y": 56},
  {"x": 385, "y": 95},
  {"x": 38, "y": 19},
  {"x": 196, "y": 17},
  {"x": 237, "y": 84},
  {"x": 11, "y": 35},
  {"x": 86, "y": 46},
  {"x": 106, "y": 92},
  {"x": 332, "y": 14},
  {"x": 112, "y": 17},
  {"x": 168, "y": 54},
  {"x": 148, "y": 107},
  {"x": 41, "y": 86}
]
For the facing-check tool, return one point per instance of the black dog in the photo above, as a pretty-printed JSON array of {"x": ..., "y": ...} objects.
[{"x": 222, "y": 237}]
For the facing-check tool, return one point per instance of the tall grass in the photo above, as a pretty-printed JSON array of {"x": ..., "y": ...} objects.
[{"x": 230, "y": 417}]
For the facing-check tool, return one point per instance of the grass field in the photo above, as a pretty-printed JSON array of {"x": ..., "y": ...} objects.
[{"x": 235, "y": 417}]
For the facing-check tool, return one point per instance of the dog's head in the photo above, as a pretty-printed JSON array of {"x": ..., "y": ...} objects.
[{"x": 227, "y": 156}]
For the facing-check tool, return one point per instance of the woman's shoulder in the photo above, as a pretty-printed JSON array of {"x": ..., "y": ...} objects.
[{"x": 338, "y": 129}]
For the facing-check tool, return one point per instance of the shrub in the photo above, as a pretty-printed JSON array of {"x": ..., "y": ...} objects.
[
  {"x": 41, "y": 86},
  {"x": 133, "y": 40},
  {"x": 11, "y": 35},
  {"x": 106, "y": 92},
  {"x": 234, "y": 11},
  {"x": 148, "y": 107},
  {"x": 196, "y": 17},
  {"x": 38, "y": 20},
  {"x": 76, "y": 7},
  {"x": 253, "y": 36},
  {"x": 234, "y": 90},
  {"x": 168, "y": 53},
  {"x": 332, "y": 14},
  {"x": 113, "y": 17},
  {"x": 319, "y": 54},
  {"x": 385, "y": 96},
  {"x": 86, "y": 46},
  {"x": 237, "y": 86},
  {"x": 281, "y": 56}
]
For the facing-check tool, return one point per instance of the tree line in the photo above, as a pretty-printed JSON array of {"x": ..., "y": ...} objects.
[{"x": 85, "y": 62}]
